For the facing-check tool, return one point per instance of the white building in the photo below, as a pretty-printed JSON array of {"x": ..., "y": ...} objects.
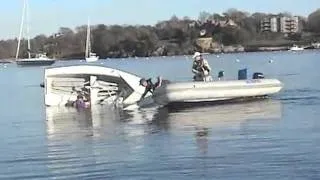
[
  {"x": 289, "y": 24},
  {"x": 270, "y": 24},
  {"x": 280, "y": 24}
]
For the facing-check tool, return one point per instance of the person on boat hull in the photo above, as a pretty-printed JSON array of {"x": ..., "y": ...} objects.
[
  {"x": 201, "y": 68},
  {"x": 149, "y": 85}
]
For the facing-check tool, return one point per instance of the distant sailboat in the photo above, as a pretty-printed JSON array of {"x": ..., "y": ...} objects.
[
  {"x": 90, "y": 56},
  {"x": 40, "y": 58}
]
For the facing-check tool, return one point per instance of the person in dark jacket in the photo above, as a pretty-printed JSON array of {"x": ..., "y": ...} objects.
[{"x": 149, "y": 86}]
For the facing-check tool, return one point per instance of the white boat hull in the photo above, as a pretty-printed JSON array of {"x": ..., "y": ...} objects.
[
  {"x": 92, "y": 59},
  {"x": 296, "y": 48},
  {"x": 189, "y": 92},
  {"x": 105, "y": 85}
]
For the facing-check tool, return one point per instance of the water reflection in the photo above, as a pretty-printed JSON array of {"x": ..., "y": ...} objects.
[
  {"x": 205, "y": 120},
  {"x": 223, "y": 115},
  {"x": 107, "y": 123},
  {"x": 103, "y": 139},
  {"x": 102, "y": 120},
  {"x": 70, "y": 122}
]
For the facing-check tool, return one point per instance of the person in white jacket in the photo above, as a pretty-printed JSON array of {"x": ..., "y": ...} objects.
[{"x": 201, "y": 68}]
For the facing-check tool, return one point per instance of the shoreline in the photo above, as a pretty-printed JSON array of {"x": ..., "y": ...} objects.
[{"x": 231, "y": 50}]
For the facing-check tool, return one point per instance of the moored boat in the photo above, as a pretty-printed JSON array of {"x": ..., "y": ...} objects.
[
  {"x": 90, "y": 56},
  {"x": 38, "y": 59},
  {"x": 296, "y": 48}
]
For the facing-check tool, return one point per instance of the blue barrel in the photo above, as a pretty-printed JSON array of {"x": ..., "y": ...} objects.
[{"x": 242, "y": 74}]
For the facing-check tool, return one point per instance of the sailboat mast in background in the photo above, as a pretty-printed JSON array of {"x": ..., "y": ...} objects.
[
  {"x": 88, "y": 40},
  {"x": 89, "y": 56},
  {"x": 21, "y": 27}
]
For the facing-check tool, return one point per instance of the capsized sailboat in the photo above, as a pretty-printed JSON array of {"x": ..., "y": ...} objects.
[
  {"x": 90, "y": 56},
  {"x": 38, "y": 58},
  {"x": 95, "y": 85}
]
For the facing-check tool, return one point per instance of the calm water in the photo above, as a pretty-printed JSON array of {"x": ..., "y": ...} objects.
[{"x": 278, "y": 138}]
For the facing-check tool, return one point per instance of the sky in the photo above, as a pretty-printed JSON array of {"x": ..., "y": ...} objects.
[{"x": 46, "y": 16}]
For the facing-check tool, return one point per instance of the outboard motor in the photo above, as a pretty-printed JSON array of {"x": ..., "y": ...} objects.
[
  {"x": 257, "y": 75},
  {"x": 242, "y": 74},
  {"x": 220, "y": 75}
]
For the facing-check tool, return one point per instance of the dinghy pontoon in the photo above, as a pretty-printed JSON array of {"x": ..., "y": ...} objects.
[{"x": 191, "y": 92}]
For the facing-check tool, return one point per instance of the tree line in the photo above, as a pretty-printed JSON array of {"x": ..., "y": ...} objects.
[{"x": 175, "y": 36}]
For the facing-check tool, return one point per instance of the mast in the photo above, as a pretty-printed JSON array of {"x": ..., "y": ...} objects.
[
  {"x": 88, "y": 40},
  {"x": 21, "y": 27},
  {"x": 28, "y": 29}
]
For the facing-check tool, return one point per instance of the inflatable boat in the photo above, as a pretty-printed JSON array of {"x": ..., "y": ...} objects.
[{"x": 214, "y": 91}]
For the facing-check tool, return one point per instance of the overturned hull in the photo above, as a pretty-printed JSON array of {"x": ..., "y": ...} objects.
[
  {"x": 216, "y": 91},
  {"x": 92, "y": 84}
]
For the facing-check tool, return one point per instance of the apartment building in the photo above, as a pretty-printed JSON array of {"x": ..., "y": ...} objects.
[
  {"x": 280, "y": 24},
  {"x": 289, "y": 24},
  {"x": 270, "y": 24}
]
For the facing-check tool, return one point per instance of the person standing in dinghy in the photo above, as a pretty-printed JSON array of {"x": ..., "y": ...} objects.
[{"x": 201, "y": 68}]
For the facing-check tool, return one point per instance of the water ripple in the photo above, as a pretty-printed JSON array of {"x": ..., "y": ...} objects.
[{"x": 304, "y": 96}]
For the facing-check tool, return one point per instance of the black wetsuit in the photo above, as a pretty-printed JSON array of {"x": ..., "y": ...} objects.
[{"x": 150, "y": 87}]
